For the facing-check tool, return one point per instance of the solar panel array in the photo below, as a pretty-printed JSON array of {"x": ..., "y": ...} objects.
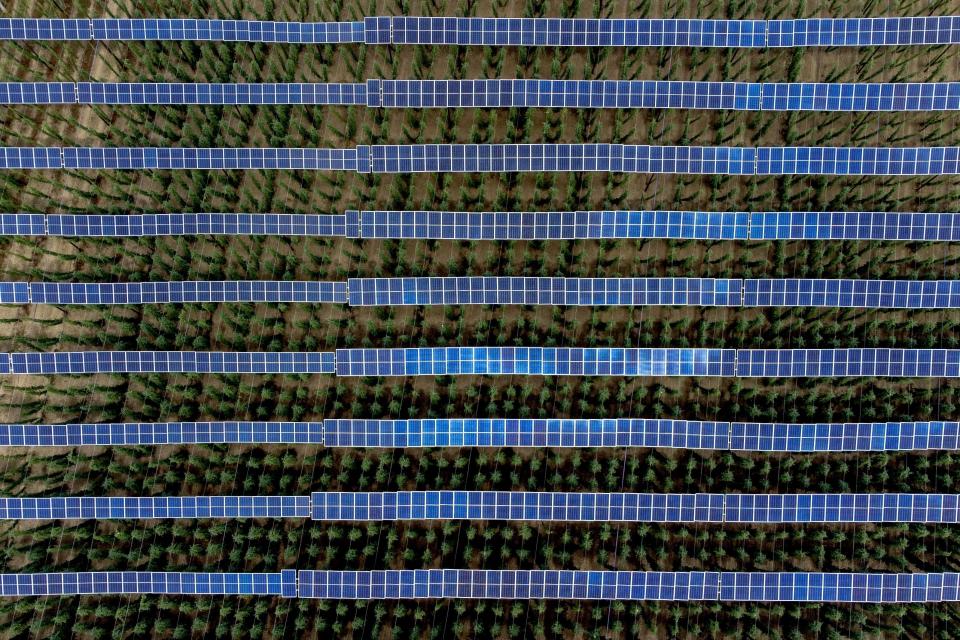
[
  {"x": 157, "y": 433},
  {"x": 144, "y": 582},
  {"x": 155, "y": 507},
  {"x": 552, "y": 291},
  {"x": 73, "y": 362},
  {"x": 636, "y": 507},
  {"x": 902, "y": 294},
  {"x": 180, "y": 292},
  {"x": 535, "y": 361},
  {"x": 499, "y": 158},
  {"x": 727, "y": 586},
  {"x": 906, "y": 363},
  {"x": 631, "y": 432},
  {"x": 501, "y": 432},
  {"x": 493, "y": 93},
  {"x": 557, "y": 225},
  {"x": 809, "y": 32}
]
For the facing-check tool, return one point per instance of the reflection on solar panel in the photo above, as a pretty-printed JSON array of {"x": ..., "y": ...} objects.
[
  {"x": 138, "y": 582},
  {"x": 156, "y": 433},
  {"x": 630, "y": 585},
  {"x": 180, "y": 292},
  {"x": 166, "y": 362},
  {"x": 177, "y": 224},
  {"x": 233, "y": 93},
  {"x": 552, "y": 291},
  {"x": 458, "y": 158},
  {"x": 908, "y": 363},
  {"x": 155, "y": 507},
  {"x": 852, "y": 32},
  {"x": 864, "y": 294},
  {"x": 535, "y": 361},
  {"x": 636, "y": 507},
  {"x": 492, "y": 93},
  {"x": 627, "y": 432}
]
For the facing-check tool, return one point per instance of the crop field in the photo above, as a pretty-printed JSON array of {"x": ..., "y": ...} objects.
[{"x": 267, "y": 545}]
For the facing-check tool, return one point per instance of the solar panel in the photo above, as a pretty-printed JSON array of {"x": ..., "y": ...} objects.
[
  {"x": 175, "y": 224},
  {"x": 227, "y": 30},
  {"x": 45, "y": 29},
  {"x": 321, "y": 93},
  {"x": 142, "y": 582},
  {"x": 851, "y": 436},
  {"x": 418, "y": 158},
  {"x": 30, "y": 158},
  {"x": 38, "y": 93},
  {"x": 23, "y": 224},
  {"x": 212, "y": 158},
  {"x": 184, "y": 292},
  {"x": 72, "y": 362},
  {"x": 154, "y": 507},
  {"x": 863, "y": 32},
  {"x": 534, "y": 361},
  {"x": 158, "y": 433},
  {"x": 834, "y": 225},
  {"x": 867, "y": 96},
  {"x": 907, "y": 363},
  {"x": 556, "y": 225},
  {"x": 14, "y": 293},
  {"x": 540, "y": 291},
  {"x": 863, "y": 294},
  {"x": 858, "y": 161}
]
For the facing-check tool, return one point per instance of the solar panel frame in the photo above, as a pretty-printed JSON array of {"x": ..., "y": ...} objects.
[
  {"x": 846, "y": 293},
  {"x": 169, "y": 224},
  {"x": 160, "y": 433},
  {"x": 154, "y": 507},
  {"x": 87, "y": 362},
  {"x": 109, "y": 293}
]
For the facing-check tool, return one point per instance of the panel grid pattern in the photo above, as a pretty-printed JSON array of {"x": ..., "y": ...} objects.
[
  {"x": 787, "y": 363},
  {"x": 158, "y": 433},
  {"x": 185, "y": 292},
  {"x": 176, "y": 224},
  {"x": 75, "y": 362},
  {"x": 540, "y": 291},
  {"x": 143, "y": 582},
  {"x": 320, "y": 93},
  {"x": 863, "y": 294},
  {"x": 155, "y": 507},
  {"x": 535, "y": 361}
]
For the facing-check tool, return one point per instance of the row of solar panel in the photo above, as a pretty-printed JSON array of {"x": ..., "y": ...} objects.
[
  {"x": 630, "y": 585},
  {"x": 438, "y": 361},
  {"x": 508, "y": 505},
  {"x": 500, "y": 158},
  {"x": 649, "y": 362},
  {"x": 172, "y": 292},
  {"x": 804, "y": 32},
  {"x": 555, "y": 225},
  {"x": 499, "y": 432},
  {"x": 636, "y": 507},
  {"x": 70, "y": 362},
  {"x": 581, "y": 94},
  {"x": 155, "y": 507},
  {"x": 142, "y": 582}
]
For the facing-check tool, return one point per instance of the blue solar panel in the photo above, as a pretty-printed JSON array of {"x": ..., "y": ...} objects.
[
  {"x": 556, "y": 225},
  {"x": 608, "y": 94},
  {"x": 157, "y": 433},
  {"x": 45, "y": 29},
  {"x": 539, "y": 291},
  {"x": 140, "y": 582},
  {"x": 534, "y": 361},
  {"x": 14, "y": 293},
  {"x": 72, "y": 362},
  {"x": 834, "y": 225},
  {"x": 31, "y": 158},
  {"x": 184, "y": 292},
  {"x": 417, "y": 158},
  {"x": 333, "y": 93},
  {"x": 858, "y": 161},
  {"x": 213, "y": 158},
  {"x": 23, "y": 224},
  {"x": 865, "y": 294},
  {"x": 872, "y": 96},
  {"x": 227, "y": 30},
  {"x": 112, "y": 508},
  {"x": 175, "y": 224},
  {"x": 908, "y": 363},
  {"x": 863, "y": 32},
  {"x": 38, "y": 93},
  {"x": 867, "y": 436}
]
